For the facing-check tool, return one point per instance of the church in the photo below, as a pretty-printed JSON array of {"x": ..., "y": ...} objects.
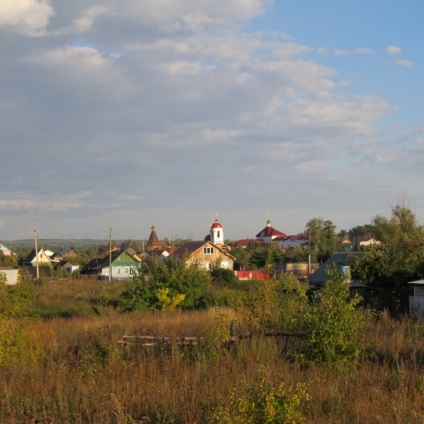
[{"x": 210, "y": 252}]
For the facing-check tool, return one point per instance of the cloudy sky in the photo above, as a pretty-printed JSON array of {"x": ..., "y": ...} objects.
[{"x": 126, "y": 114}]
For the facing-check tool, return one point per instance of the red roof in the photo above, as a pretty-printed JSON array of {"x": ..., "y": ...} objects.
[
  {"x": 269, "y": 231},
  {"x": 245, "y": 242},
  {"x": 216, "y": 224}
]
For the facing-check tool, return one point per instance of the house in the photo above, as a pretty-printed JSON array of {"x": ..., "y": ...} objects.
[
  {"x": 269, "y": 233},
  {"x": 244, "y": 243},
  {"x": 366, "y": 241},
  {"x": 5, "y": 250},
  {"x": 416, "y": 300},
  {"x": 123, "y": 265},
  {"x": 341, "y": 260},
  {"x": 68, "y": 252},
  {"x": 208, "y": 252},
  {"x": 42, "y": 258},
  {"x": 290, "y": 242},
  {"x": 66, "y": 266}
]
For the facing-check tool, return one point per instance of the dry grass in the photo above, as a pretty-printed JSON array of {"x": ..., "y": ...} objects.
[{"x": 76, "y": 371}]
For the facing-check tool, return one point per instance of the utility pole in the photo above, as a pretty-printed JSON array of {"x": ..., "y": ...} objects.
[
  {"x": 110, "y": 255},
  {"x": 309, "y": 255},
  {"x": 36, "y": 254}
]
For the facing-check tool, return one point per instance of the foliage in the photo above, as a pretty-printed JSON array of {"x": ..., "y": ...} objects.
[
  {"x": 242, "y": 256},
  {"x": 173, "y": 274},
  {"x": 218, "y": 331},
  {"x": 265, "y": 255},
  {"x": 398, "y": 260},
  {"x": 79, "y": 372},
  {"x": 167, "y": 302},
  {"x": 293, "y": 302},
  {"x": 396, "y": 230},
  {"x": 333, "y": 323},
  {"x": 323, "y": 238},
  {"x": 15, "y": 314},
  {"x": 224, "y": 277},
  {"x": 296, "y": 254},
  {"x": 360, "y": 231},
  {"x": 257, "y": 305},
  {"x": 8, "y": 261},
  {"x": 263, "y": 403}
]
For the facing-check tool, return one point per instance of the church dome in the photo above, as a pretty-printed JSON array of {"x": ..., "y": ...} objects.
[{"x": 216, "y": 224}]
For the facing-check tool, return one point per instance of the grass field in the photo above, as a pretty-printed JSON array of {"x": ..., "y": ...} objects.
[{"x": 69, "y": 366}]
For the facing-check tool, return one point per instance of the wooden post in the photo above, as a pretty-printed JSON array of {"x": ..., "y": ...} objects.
[{"x": 36, "y": 253}]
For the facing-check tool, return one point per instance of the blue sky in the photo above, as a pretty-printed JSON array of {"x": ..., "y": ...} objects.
[{"x": 131, "y": 114}]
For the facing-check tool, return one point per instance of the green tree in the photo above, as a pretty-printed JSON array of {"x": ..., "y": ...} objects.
[
  {"x": 265, "y": 255},
  {"x": 297, "y": 254},
  {"x": 8, "y": 261},
  {"x": 399, "y": 259},
  {"x": 224, "y": 277},
  {"x": 242, "y": 256},
  {"x": 173, "y": 274},
  {"x": 323, "y": 238}
]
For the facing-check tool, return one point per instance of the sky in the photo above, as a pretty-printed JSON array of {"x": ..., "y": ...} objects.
[{"x": 127, "y": 114}]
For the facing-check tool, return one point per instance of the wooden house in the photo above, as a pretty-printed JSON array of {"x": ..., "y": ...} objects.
[
  {"x": 123, "y": 266},
  {"x": 210, "y": 251}
]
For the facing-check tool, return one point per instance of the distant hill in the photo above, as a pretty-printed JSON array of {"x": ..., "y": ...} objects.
[{"x": 59, "y": 243}]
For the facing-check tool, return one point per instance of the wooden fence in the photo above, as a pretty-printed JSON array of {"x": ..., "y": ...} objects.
[{"x": 282, "y": 340}]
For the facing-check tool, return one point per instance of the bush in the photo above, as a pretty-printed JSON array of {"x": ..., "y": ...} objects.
[
  {"x": 293, "y": 303},
  {"x": 332, "y": 324},
  {"x": 173, "y": 274},
  {"x": 15, "y": 315},
  {"x": 263, "y": 403}
]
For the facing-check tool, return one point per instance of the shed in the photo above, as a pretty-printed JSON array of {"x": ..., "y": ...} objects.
[
  {"x": 416, "y": 300},
  {"x": 11, "y": 275}
]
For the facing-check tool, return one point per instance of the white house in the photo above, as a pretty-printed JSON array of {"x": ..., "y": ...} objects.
[{"x": 10, "y": 275}]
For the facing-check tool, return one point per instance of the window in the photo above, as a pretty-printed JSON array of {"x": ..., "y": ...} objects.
[{"x": 208, "y": 250}]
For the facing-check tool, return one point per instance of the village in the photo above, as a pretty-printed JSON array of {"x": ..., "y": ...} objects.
[{"x": 114, "y": 262}]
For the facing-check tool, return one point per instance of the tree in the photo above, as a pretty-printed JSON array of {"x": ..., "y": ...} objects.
[
  {"x": 397, "y": 260},
  {"x": 399, "y": 229},
  {"x": 173, "y": 274},
  {"x": 265, "y": 255},
  {"x": 242, "y": 256},
  {"x": 323, "y": 238},
  {"x": 296, "y": 254}
]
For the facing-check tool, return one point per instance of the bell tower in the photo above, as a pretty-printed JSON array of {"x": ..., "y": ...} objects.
[{"x": 217, "y": 233}]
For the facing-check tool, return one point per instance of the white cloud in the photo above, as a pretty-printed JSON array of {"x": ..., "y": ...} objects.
[
  {"x": 393, "y": 50},
  {"x": 192, "y": 110},
  {"x": 72, "y": 56},
  {"x": 359, "y": 50},
  {"x": 85, "y": 23},
  {"x": 404, "y": 63},
  {"x": 28, "y": 17}
]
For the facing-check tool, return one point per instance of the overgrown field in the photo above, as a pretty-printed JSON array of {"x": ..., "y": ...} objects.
[{"x": 69, "y": 365}]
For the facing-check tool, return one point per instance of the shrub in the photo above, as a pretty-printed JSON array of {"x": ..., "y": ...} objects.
[
  {"x": 293, "y": 303},
  {"x": 173, "y": 274},
  {"x": 263, "y": 403},
  {"x": 15, "y": 314},
  {"x": 332, "y": 323}
]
